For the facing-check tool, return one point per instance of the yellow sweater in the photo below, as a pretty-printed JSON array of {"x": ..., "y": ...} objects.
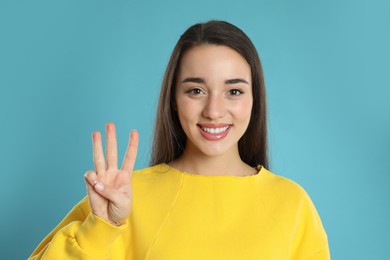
[{"x": 177, "y": 215}]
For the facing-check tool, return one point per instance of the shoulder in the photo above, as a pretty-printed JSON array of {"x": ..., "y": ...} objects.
[
  {"x": 282, "y": 187},
  {"x": 159, "y": 178},
  {"x": 282, "y": 195},
  {"x": 152, "y": 170},
  {"x": 153, "y": 173},
  {"x": 294, "y": 211}
]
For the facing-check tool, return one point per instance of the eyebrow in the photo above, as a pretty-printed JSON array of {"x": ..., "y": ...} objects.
[
  {"x": 235, "y": 81},
  {"x": 193, "y": 80},
  {"x": 201, "y": 81}
]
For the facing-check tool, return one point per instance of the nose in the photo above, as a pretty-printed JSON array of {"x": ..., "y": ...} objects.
[{"x": 214, "y": 107}]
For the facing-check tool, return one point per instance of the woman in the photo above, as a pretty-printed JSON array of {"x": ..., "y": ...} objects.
[{"x": 208, "y": 194}]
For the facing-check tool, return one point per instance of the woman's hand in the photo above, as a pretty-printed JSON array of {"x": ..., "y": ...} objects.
[{"x": 109, "y": 188}]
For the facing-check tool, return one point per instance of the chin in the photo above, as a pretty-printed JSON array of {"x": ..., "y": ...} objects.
[{"x": 214, "y": 151}]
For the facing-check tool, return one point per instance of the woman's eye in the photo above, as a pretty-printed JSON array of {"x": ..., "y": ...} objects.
[
  {"x": 235, "y": 92},
  {"x": 195, "y": 91}
]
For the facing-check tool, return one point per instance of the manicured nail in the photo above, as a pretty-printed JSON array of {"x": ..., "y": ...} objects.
[{"x": 99, "y": 186}]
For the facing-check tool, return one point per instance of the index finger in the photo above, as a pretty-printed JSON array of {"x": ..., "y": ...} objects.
[
  {"x": 131, "y": 152},
  {"x": 98, "y": 156}
]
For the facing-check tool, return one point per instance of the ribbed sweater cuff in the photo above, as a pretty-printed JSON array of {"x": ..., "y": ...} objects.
[{"x": 96, "y": 235}]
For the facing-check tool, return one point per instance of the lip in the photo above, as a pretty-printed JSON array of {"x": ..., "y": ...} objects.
[{"x": 214, "y": 137}]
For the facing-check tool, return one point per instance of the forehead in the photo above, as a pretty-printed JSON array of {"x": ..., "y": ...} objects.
[{"x": 208, "y": 60}]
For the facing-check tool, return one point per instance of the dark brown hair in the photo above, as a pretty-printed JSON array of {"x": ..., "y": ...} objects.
[{"x": 169, "y": 138}]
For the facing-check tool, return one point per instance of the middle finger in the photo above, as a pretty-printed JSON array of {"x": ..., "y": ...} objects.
[{"x": 111, "y": 147}]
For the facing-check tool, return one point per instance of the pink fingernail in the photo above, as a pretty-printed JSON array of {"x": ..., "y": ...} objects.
[{"x": 99, "y": 186}]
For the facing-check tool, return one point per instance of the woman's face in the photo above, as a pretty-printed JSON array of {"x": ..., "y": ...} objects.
[{"x": 213, "y": 99}]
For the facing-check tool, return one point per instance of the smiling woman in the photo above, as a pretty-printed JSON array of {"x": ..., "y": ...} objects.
[{"x": 208, "y": 193}]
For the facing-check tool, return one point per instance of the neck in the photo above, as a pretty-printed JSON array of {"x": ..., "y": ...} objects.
[{"x": 223, "y": 165}]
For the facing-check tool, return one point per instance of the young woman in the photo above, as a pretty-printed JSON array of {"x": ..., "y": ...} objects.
[{"x": 208, "y": 193}]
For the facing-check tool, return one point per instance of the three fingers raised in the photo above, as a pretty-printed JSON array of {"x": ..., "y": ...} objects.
[{"x": 112, "y": 151}]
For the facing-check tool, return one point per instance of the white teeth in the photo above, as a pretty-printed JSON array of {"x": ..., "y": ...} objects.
[{"x": 215, "y": 130}]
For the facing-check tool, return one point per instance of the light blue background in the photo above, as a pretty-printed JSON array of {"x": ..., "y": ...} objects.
[{"x": 68, "y": 67}]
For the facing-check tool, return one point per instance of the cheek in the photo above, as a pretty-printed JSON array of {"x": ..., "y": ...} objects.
[
  {"x": 243, "y": 110},
  {"x": 186, "y": 111}
]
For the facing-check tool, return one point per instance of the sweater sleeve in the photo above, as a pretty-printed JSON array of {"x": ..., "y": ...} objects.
[
  {"x": 310, "y": 239},
  {"x": 80, "y": 235}
]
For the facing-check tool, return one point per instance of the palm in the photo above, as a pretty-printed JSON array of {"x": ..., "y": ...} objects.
[{"x": 113, "y": 202}]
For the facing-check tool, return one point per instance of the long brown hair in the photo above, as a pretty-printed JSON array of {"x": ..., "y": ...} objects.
[{"x": 169, "y": 138}]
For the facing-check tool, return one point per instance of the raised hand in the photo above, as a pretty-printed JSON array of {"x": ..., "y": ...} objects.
[{"x": 109, "y": 188}]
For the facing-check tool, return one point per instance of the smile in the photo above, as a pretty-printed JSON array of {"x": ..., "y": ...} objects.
[{"x": 215, "y": 130}]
